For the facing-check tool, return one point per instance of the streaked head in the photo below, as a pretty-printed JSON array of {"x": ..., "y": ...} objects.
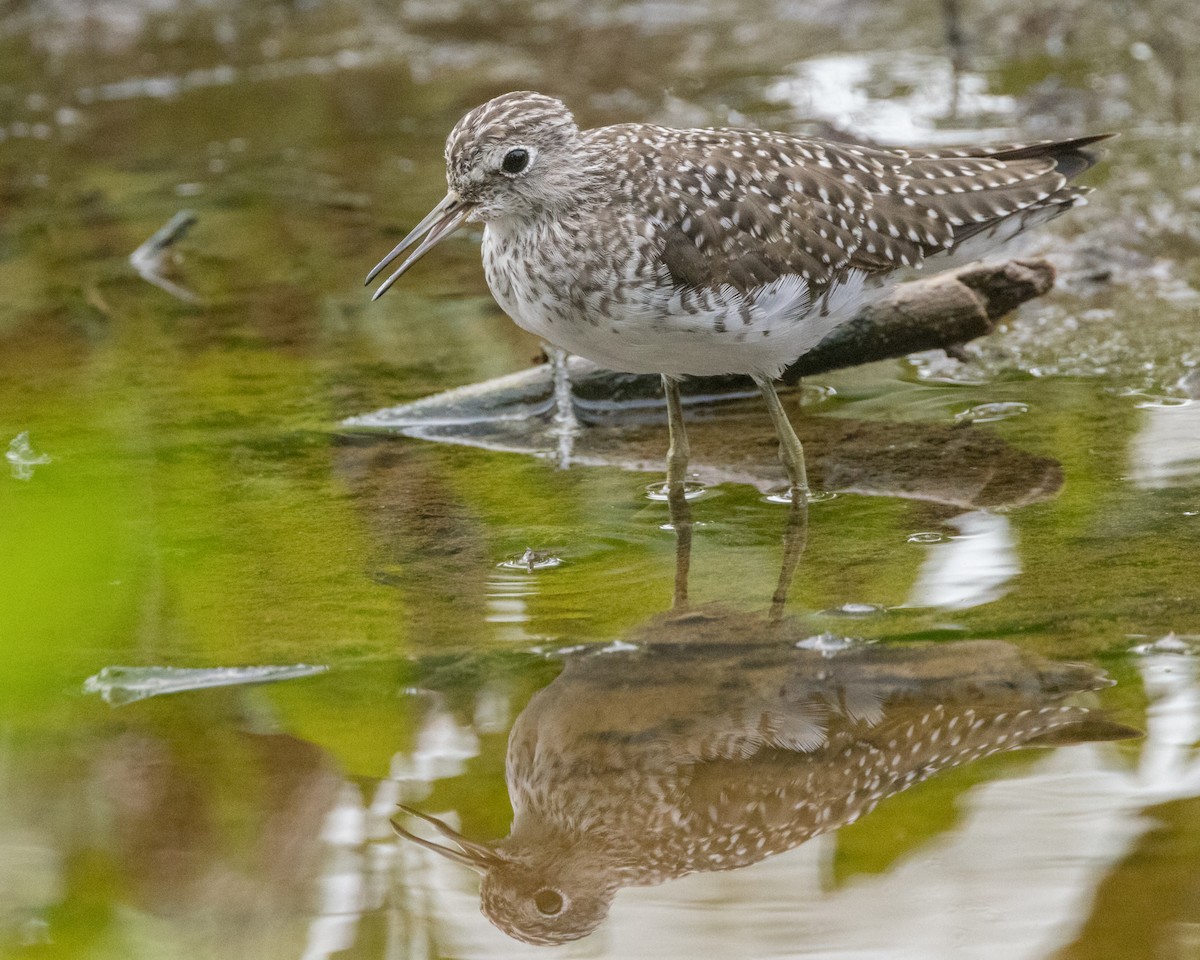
[
  {"x": 544, "y": 893},
  {"x": 514, "y": 156},
  {"x": 549, "y": 899}
]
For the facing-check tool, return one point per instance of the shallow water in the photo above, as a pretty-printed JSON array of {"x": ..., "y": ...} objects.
[{"x": 182, "y": 504}]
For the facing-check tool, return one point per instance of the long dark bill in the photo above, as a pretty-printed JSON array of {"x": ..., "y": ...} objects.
[
  {"x": 441, "y": 221},
  {"x": 470, "y": 854}
]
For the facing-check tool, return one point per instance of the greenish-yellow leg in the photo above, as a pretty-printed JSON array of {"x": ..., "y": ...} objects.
[{"x": 790, "y": 451}]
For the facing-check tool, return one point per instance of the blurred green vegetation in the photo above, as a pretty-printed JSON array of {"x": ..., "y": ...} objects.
[{"x": 203, "y": 507}]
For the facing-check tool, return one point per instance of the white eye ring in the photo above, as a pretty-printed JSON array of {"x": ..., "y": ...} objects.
[
  {"x": 549, "y": 902},
  {"x": 516, "y": 160}
]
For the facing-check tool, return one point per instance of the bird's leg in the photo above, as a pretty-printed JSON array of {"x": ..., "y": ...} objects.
[
  {"x": 678, "y": 454},
  {"x": 790, "y": 451},
  {"x": 681, "y": 523},
  {"x": 678, "y": 451},
  {"x": 795, "y": 538}
]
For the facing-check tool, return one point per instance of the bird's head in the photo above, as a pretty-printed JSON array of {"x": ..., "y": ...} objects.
[
  {"x": 515, "y": 156},
  {"x": 543, "y": 894},
  {"x": 546, "y": 900}
]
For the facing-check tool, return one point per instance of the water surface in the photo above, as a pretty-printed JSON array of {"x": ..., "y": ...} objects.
[{"x": 236, "y": 633}]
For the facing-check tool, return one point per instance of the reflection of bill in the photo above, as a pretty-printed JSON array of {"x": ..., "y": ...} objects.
[{"x": 638, "y": 766}]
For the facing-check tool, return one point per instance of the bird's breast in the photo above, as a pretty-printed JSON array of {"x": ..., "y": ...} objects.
[{"x": 608, "y": 297}]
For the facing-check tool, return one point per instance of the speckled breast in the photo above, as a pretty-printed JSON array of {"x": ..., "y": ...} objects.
[{"x": 609, "y": 298}]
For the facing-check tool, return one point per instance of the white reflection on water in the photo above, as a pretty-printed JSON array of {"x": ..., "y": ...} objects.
[
  {"x": 920, "y": 92},
  {"x": 508, "y": 597},
  {"x": 1166, "y": 451},
  {"x": 1016, "y": 879},
  {"x": 443, "y": 747},
  {"x": 970, "y": 569},
  {"x": 340, "y": 887}
]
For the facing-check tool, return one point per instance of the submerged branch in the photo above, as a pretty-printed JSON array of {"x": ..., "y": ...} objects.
[
  {"x": 147, "y": 259},
  {"x": 939, "y": 312}
]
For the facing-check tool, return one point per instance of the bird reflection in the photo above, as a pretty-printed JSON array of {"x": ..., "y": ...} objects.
[{"x": 712, "y": 740}]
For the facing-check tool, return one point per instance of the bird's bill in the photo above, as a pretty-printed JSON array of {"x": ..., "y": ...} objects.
[
  {"x": 477, "y": 856},
  {"x": 441, "y": 221}
]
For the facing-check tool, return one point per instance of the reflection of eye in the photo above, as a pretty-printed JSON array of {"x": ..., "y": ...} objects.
[
  {"x": 548, "y": 902},
  {"x": 515, "y": 161}
]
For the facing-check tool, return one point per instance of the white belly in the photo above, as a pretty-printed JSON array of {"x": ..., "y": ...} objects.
[{"x": 645, "y": 325}]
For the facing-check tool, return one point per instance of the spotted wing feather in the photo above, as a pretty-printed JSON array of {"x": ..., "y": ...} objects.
[
  {"x": 734, "y": 812},
  {"x": 741, "y": 209}
]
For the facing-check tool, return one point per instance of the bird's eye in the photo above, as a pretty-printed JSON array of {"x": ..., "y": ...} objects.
[
  {"x": 515, "y": 160},
  {"x": 548, "y": 902}
]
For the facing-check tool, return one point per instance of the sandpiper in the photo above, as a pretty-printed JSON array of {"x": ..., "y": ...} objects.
[
  {"x": 636, "y": 767},
  {"x": 648, "y": 249}
]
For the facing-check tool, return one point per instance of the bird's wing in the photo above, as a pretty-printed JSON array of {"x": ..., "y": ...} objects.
[{"x": 741, "y": 209}]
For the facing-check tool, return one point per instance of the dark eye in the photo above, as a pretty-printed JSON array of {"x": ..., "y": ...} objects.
[
  {"x": 548, "y": 902},
  {"x": 515, "y": 161}
]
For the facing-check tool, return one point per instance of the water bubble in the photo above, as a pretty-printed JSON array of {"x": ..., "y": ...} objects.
[
  {"x": 927, "y": 537},
  {"x": 828, "y": 644},
  {"x": 855, "y": 610},
  {"x": 692, "y": 490},
  {"x": 530, "y": 561},
  {"x": 991, "y": 412},
  {"x": 785, "y": 496}
]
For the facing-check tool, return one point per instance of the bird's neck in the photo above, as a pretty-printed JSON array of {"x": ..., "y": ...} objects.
[{"x": 569, "y": 215}]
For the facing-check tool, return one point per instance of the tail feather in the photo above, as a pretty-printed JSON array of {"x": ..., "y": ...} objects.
[
  {"x": 1071, "y": 157},
  {"x": 1010, "y": 188}
]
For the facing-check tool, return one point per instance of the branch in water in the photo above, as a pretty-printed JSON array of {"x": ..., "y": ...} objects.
[
  {"x": 147, "y": 259},
  {"x": 940, "y": 312}
]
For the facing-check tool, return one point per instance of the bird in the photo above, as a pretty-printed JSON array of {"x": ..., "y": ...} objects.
[
  {"x": 693, "y": 252},
  {"x": 668, "y": 757}
]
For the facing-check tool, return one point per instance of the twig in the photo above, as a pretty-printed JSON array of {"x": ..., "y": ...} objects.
[{"x": 147, "y": 259}]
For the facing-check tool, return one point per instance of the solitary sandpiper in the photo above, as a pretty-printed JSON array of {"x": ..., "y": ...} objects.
[
  {"x": 681, "y": 755},
  {"x": 697, "y": 252}
]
